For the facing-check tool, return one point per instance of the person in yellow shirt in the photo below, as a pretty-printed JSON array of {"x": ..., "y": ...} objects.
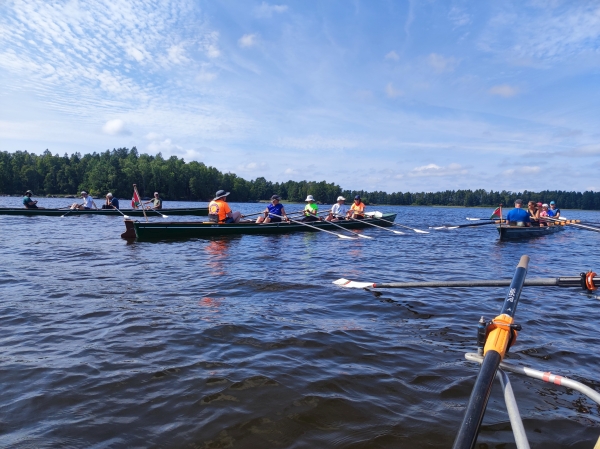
[
  {"x": 357, "y": 210},
  {"x": 220, "y": 212},
  {"x": 311, "y": 210}
]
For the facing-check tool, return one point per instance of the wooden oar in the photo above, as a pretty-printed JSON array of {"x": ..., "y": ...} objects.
[
  {"x": 379, "y": 217},
  {"x": 496, "y": 345},
  {"x": 464, "y": 225},
  {"x": 376, "y": 226},
  {"x": 566, "y": 281},
  {"x": 570, "y": 223},
  {"x": 349, "y": 230},
  {"x": 317, "y": 228}
]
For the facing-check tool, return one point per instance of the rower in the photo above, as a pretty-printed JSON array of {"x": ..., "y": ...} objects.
[
  {"x": 553, "y": 211},
  {"x": 273, "y": 212},
  {"x": 28, "y": 202},
  {"x": 311, "y": 210},
  {"x": 220, "y": 212},
  {"x": 111, "y": 202},
  {"x": 87, "y": 204},
  {"x": 534, "y": 213},
  {"x": 338, "y": 210},
  {"x": 357, "y": 210},
  {"x": 156, "y": 202},
  {"x": 518, "y": 216}
]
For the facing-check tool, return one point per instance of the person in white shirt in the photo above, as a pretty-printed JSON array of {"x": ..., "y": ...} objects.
[
  {"x": 87, "y": 204},
  {"x": 338, "y": 211}
]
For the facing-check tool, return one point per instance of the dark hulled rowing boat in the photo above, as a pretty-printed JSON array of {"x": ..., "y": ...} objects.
[
  {"x": 197, "y": 211},
  {"x": 526, "y": 232},
  {"x": 189, "y": 229}
]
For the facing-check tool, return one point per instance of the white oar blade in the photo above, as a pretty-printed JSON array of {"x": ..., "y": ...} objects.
[
  {"x": 351, "y": 284},
  {"x": 364, "y": 236},
  {"x": 165, "y": 216},
  {"x": 126, "y": 217},
  {"x": 418, "y": 231},
  {"x": 473, "y": 219},
  {"x": 345, "y": 237},
  {"x": 398, "y": 232}
]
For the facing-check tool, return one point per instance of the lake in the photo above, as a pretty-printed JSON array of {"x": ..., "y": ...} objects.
[{"x": 245, "y": 342}]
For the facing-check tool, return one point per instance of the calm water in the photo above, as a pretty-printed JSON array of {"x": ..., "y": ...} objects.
[{"x": 245, "y": 343}]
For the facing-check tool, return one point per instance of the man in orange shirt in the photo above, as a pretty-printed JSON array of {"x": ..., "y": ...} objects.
[
  {"x": 220, "y": 212},
  {"x": 357, "y": 210}
]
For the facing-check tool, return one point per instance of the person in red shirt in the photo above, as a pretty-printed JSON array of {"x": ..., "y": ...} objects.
[{"x": 220, "y": 212}]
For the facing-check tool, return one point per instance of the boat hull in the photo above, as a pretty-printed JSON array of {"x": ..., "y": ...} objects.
[
  {"x": 521, "y": 232},
  {"x": 182, "y": 230},
  {"x": 198, "y": 211}
]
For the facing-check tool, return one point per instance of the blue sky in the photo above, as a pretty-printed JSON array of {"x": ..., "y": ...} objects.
[{"x": 374, "y": 95}]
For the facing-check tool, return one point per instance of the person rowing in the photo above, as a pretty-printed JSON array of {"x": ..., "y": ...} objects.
[
  {"x": 338, "y": 210},
  {"x": 29, "y": 203},
  {"x": 357, "y": 210},
  {"x": 156, "y": 202},
  {"x": 518, "y": 216},
  {"x": 553, "y": 211},
  {"x": 111, "y": 202},
  {"x": 311, "y": 210},
  {"x": 87, "y": 204},
  {"x": 220, "y": 212},
  {"x": 273, "y": 212},
  {"x": 534, "y": 213}
]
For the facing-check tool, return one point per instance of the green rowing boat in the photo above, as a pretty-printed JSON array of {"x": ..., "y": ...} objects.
[
  {"x": 197, "y": 211},
  {"x": 527, "y": 232},
  {"x": 188, "y": 229}
]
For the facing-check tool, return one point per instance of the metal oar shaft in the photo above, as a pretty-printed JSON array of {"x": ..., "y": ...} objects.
[
  {"x": 315, "y": 227},
  {"x": 494, "y": 352},
  {"x": 572, "y": 281}
]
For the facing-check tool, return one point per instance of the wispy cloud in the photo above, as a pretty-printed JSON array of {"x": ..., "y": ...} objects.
[
  {"x": 115, "y": 127},
  {"x": 441, "y": 63},
  {"x": 247, "y": 40},
  {"x": 392, "y": 92},
  {"x": 434, "y": 170},
  {"x": 393, "y": 56},
  {"x": 504, "y": 90},
  {"x": 267, "y": 10}
]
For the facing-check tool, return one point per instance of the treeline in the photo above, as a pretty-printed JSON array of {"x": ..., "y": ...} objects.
[{"x": 115, "y": 171}]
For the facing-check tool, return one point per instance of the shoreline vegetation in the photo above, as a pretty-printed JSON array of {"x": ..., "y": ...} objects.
[{"x": 115, "y": 171}]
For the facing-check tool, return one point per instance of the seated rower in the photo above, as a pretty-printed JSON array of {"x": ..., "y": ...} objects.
[
  {"x": 29, "y": 203},
  {"x": 111, "y": 202},
  {"x": 543, "y": 213},
  {"x": 518, "y": 216},
  {"x": 338, "y": 210},
  {"x": 534, "y": 213},
  {"x": 357, "y": 210},
  {"x": 553, "y": 211},
  {"x": 273, "y": 212},
  {"x": 311, "y": 210},
  {"x": 156, "y": 202},
  {"x": 220, "y": 212},
  {"x": 87, "y": 204}
]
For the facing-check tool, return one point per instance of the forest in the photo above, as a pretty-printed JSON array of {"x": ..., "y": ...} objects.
[{"x": 115, "y": 171}]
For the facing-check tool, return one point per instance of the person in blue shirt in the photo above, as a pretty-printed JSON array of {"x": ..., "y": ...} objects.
[
  {"x": 273, "y": 212},
  {"x": 553, "y": 211},
  {"x": 518, "y": 216},
  {"x": 111, "y": 202}
]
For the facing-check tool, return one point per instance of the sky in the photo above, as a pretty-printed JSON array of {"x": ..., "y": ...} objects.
[{"x": 371, "y": 95}]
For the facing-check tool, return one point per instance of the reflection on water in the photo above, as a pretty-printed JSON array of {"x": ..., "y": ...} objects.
[{"x": 244, "y": 342}]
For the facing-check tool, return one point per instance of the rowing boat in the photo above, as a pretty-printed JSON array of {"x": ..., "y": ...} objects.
[
  {"x": 198, "y": 211},
  {"x": 189, "y": 229},
  {"x": 525, "y": 232}
]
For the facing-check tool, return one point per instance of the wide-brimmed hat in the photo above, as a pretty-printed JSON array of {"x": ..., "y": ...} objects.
[
  {"x": 544, "y": 205},
  {"x": 341, "y": 198},
  {"x": 29, "y": 191},
  {"x": 309, "y": 198},
  {"x": 109, "y": 195},
  {"x": 220, "y": 194},
  {"x": 275, "y": 197},
  {"x": 83, "y": 192},
  {"x": 156, "y": 193}
]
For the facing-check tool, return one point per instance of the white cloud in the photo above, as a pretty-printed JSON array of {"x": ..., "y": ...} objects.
[
  {"x": 459, "y": 17},
  {"x": 392, "y": 92},
  {"x": 316, "y": 142},
  {"x": 522, "y": 171},
  {"x": 393, "y": 56},
  {"x": 209, "y": 44},
  {"x": 205, "y": 76},
  {"x": 504, "y": 90},
  {"x": 266, "y": 10},
  {"x": 442, "y": 64},
  {"x": 115, "y": 127},
  {"x": 253, "y": 167},
  {"x": 176, "y": 54},
  {"x": 433, "y": 170},
  {"x": 247, "y": 40}
]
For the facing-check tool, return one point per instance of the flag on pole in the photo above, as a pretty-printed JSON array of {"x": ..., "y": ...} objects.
[
  {"x": 135, "y": 201},
  {"x": 497, "y": 213}
]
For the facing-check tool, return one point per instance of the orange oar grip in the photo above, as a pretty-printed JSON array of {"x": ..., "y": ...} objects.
[{"x": 499, "y": 335}]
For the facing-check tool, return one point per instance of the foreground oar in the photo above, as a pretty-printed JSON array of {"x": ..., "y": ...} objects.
[
  {"x": 585, "y": 280},
  {"x": 464, "y": 225},
  {"x": 380, "y": 227},
  {"x": 362, "y": 236},
  {"x": 571, "y": 223},
  {"x": 485, "y": 219},
  {"x": 127, "y": 217},
  {"x": 317, "y": 228},
  {"x": 501, "y": 332},
  {"x": 64, "y": 215},
  {"x": 378, "y": 215}
]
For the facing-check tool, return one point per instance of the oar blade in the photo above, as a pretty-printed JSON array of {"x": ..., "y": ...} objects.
[
  {"x": 165, "y": 216},
  {"x": 346, "y": 283},
  {"x": 364, "y": 236},
  {"x": 398, "y": 232},
  {"x": 126, "y": 217},
  {"x": 347, "y": 237},
  {"x": 419, "y": 231}
]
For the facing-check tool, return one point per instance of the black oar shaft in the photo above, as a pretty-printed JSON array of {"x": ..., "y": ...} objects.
[
  {"x": 573, "y": 281},
  {"x": 467, "y": 435}
]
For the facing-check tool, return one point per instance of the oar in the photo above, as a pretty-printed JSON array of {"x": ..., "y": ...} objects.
[
  {"x": 127, "y": 217},
  {"x": 64, "y": 215},
  {"x": 376, "y": 226},
  {"x": 570, "y": 223},
  {"x": 154, "y": 210},
  {"x": 398, "y": 224},
  {"x": 464, "y": 225},
  {"x": 496, "y": 345},
  {"x": 318, "y": 229},
  {"x": 349, "y": 230},
  {"x": 477, "y": 219},
  {"x": 566, "y": 281}
]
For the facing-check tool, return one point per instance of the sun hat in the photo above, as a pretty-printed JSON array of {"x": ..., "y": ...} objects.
[
  {"x": 83, "y": 192},
  {"x": 341, "y": 198},
  {"x": 156, "y": 193},
  {"x": 220, "y": 194},
  {"x": 275, "y": 197},
  {"x": 519, "y": 201},
  {"x": 309, "y": 198},
  {"x": 545, "y": 205},
  {"x": 29, "y": 191},
  {"x": 109, "y": 195},
  {"x": 552, "y": 202},
  {"x": 538, "y": 204},
  {"x": 357, "y": 197}
]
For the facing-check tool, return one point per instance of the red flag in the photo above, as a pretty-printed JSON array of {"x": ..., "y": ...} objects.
[
  {"x": 135, "y": 201},
  {"x": 497, "y": 213}
]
